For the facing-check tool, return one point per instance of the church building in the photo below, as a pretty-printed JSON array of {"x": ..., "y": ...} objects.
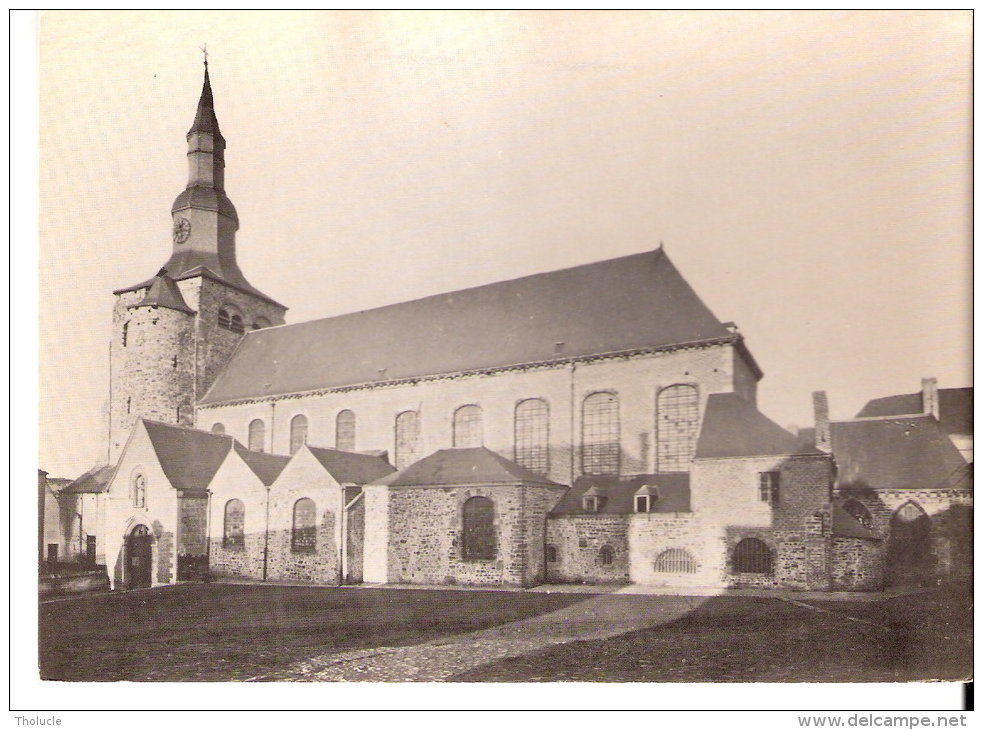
[{"x": 595, "y": 424}]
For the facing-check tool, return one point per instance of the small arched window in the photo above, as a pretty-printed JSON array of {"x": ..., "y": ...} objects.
[
  {"x": 224, "y": 318},
  {"x": 532, "y": 435},
  {"x": 257, "y": 435},
  {"x": 234, "y": 534},
  {"x": 856, "y": 509},
  {"x": 678, "y": 419},
  {"x": 468, "y": 429},
  {"x": 552, "y": 555},
  {"x": 606, "y": 555},
  {"x": 260, "y": 323},
  {"x": 478, "y": 528},
  {"x": 344, "y": 435},
  {"x": 407, "y": 438},
  {"x": 303, "y": 538},
  {"x": 218, "y": 428},
  {"x": 601, "y": 434},
  {"x": 753, "y": 556},
  {"x": 139, "y": 491},
  {"x": 298, "y": 432},
  {"x": 236, "y": 324},
  {"x": 675, "y": 560}
]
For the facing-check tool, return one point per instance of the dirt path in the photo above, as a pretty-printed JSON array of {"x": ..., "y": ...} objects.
[{"x": 600, "y": 617}]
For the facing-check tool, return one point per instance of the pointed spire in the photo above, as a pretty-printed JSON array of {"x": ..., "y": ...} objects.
[{"x": 205, "y": 119}]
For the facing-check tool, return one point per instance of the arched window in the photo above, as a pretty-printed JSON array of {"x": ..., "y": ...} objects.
[
  {"x": 478, "y": 529},
  {"x": 532, "y": 435},
  {"x": 344, "y": 437},
  {"x": 218, "y": 428},
  {"x": 909, "y": 557},
  {"x": 678, "y": 417},
  {"x": 407, "y": 438},
  {"x": 303, "y": 538},
  {"x": 675, "y": 560},
  {"x": 236, "y": 324},
  {"x": 298, "y": 432},
  {"x": 753, "y": 556},
  {"x": 468, "y": 430},
  {"x": 606, "y": 555},
  {"x": 234, "y": 534},
  {"x": 601, "y": 434},
  {"x": 257, "y": 435},
  {"x": 139, "y": 491},
  {"x": 856, "y": 509},
  {"x": 224, "y": 318},
  {"x": 260, "y": 323},
  {"x": 552, "y": 555},
  {"x": 126, "y": 329}
]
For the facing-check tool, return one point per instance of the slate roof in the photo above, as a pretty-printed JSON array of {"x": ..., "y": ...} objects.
[
  {"x": 633, "y": 302},
  {"x": 619, "y": 493},
  {"x": 164, "y": 292},
  {"x": 897, "y": 453},
  {"x": 734, "y": 427},
  {"x": 189, "y": 457},
  {"x": 94, "y": 481},
  {"x": 265, "y": 466},
  {"x": 350, "y": 468},
  {"x": 205, "y": 119},
  {"x": 846, "y": 525},
  {"x": 955, "y": 408},
  {"x": 457, "y": 467}
]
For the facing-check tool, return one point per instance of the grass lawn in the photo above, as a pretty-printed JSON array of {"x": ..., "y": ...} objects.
[
  {"x": 735, "y": 639},
  {"x": 228, "y": 632}
]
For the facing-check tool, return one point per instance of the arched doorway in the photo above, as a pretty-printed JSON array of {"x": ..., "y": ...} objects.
[
  {"x": 909, "y": 548},
  {"x": 139, "y": 557}
]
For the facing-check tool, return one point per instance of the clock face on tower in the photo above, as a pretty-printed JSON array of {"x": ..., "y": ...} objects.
[{"x": 182, "y": 229}]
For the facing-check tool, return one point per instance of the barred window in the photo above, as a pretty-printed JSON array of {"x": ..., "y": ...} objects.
[
  {"x": 468, "y": 430},
  {"x": 607, "y": 555},
  {"x": 224, "y": 318},
  {"x": 601, "y": 431},
  {"x": 678, "y": 417},
  {"x": 218, "y": 428},
  {"x": 478, "y": 529},
  {"x": 236, "y": 324},
  {"x": 552, "y": 555},
  {"x": 233, "y": 535},
  {"x": 856, "y": 509},
  {"x": 344, "y": 436},
  {"x": 407, "y": 438},
  {"x": 753, "y": 556},
  {"x": 303, "y": 538},
  {"x": 768, "y": 482},
  {"x": 675, "y": 560},
  {"x": 532, "y": 435},
  {"x": 257, "y": 435},
  {"x": 298, "y": 432},
  {"x": 139, "y": 491}
]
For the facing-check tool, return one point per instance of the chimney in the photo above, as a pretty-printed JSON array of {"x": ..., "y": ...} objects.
[
  {"x": 820, "y": 407},
  {"x": 930, "y": 397}
]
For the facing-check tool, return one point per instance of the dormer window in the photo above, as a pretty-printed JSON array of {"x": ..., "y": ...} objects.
[
  {"x": 592, "y": 504},
  {"x": 646, "y": 497},
  {"x": 642, "y": 503}
]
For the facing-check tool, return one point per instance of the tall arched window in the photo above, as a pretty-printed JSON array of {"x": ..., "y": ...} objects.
[
  {"x": 678, "y": 417},
  {"x": 909, "y": 556},
  {"x": 478, "y": 529},
  {"x": 298, "y": 432},
  {"x": 606, "y": 555},
  {"x": 234, "y": 533},
  {"x": 218, "y": 428},
  {"x": 468, "y": 429},
  {"x": 856, "y": 509},
  {"x": 753, "y": 556},
  {"x": 139, "y": 491},
  {"x": 344, "y": 435},
  {"x": 126, "y": 329},
  {"x": 675, "y": 560},
  {"x": 601, "y": 434},
  {"x": 532, "y": 435},
  {"x": 303, "y": 537},
  {"x": 407, "y": 438},
  {"x": 257, "y": 435}
]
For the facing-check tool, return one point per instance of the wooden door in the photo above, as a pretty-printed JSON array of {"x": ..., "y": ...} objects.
[{"x": 139, "y": 554}]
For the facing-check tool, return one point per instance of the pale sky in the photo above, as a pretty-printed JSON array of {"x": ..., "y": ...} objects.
[{"x": 808, "y": 172}]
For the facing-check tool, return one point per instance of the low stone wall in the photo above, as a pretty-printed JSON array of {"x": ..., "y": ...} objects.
[
  {"x": 578, "y": 540},
  {"x": 244, "y": 562},
  {"x": 56, "y": 585}
]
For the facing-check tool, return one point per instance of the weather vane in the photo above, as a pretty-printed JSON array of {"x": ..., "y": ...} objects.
[{"x": 204, "y": 50}]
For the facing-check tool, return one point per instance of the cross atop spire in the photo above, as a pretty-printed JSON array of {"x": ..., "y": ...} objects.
[{"x": 204, "y": 50}]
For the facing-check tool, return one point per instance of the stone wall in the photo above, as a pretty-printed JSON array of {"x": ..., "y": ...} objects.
[
  {"x": 354, "y": 540},
  {"x": 858, "y": 565},
  {"x": 237, "y": 562},
  {"x": 650, "y": 535},
  {"x": 578, "y": 540},
  {"x": 319, "y": 566},
  {"x": 635, "y": 380}
]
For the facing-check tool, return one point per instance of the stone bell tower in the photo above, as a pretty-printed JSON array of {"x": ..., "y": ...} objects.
[{"x": 173, "y": 333}]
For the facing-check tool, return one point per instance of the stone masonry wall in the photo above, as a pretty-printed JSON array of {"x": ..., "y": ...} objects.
[
  {"x": 652, "y": 534},
  {"x": 244, "y": 562},
  {"x": 578, "y": 540},
  {"x": 858, "y": 565}
]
